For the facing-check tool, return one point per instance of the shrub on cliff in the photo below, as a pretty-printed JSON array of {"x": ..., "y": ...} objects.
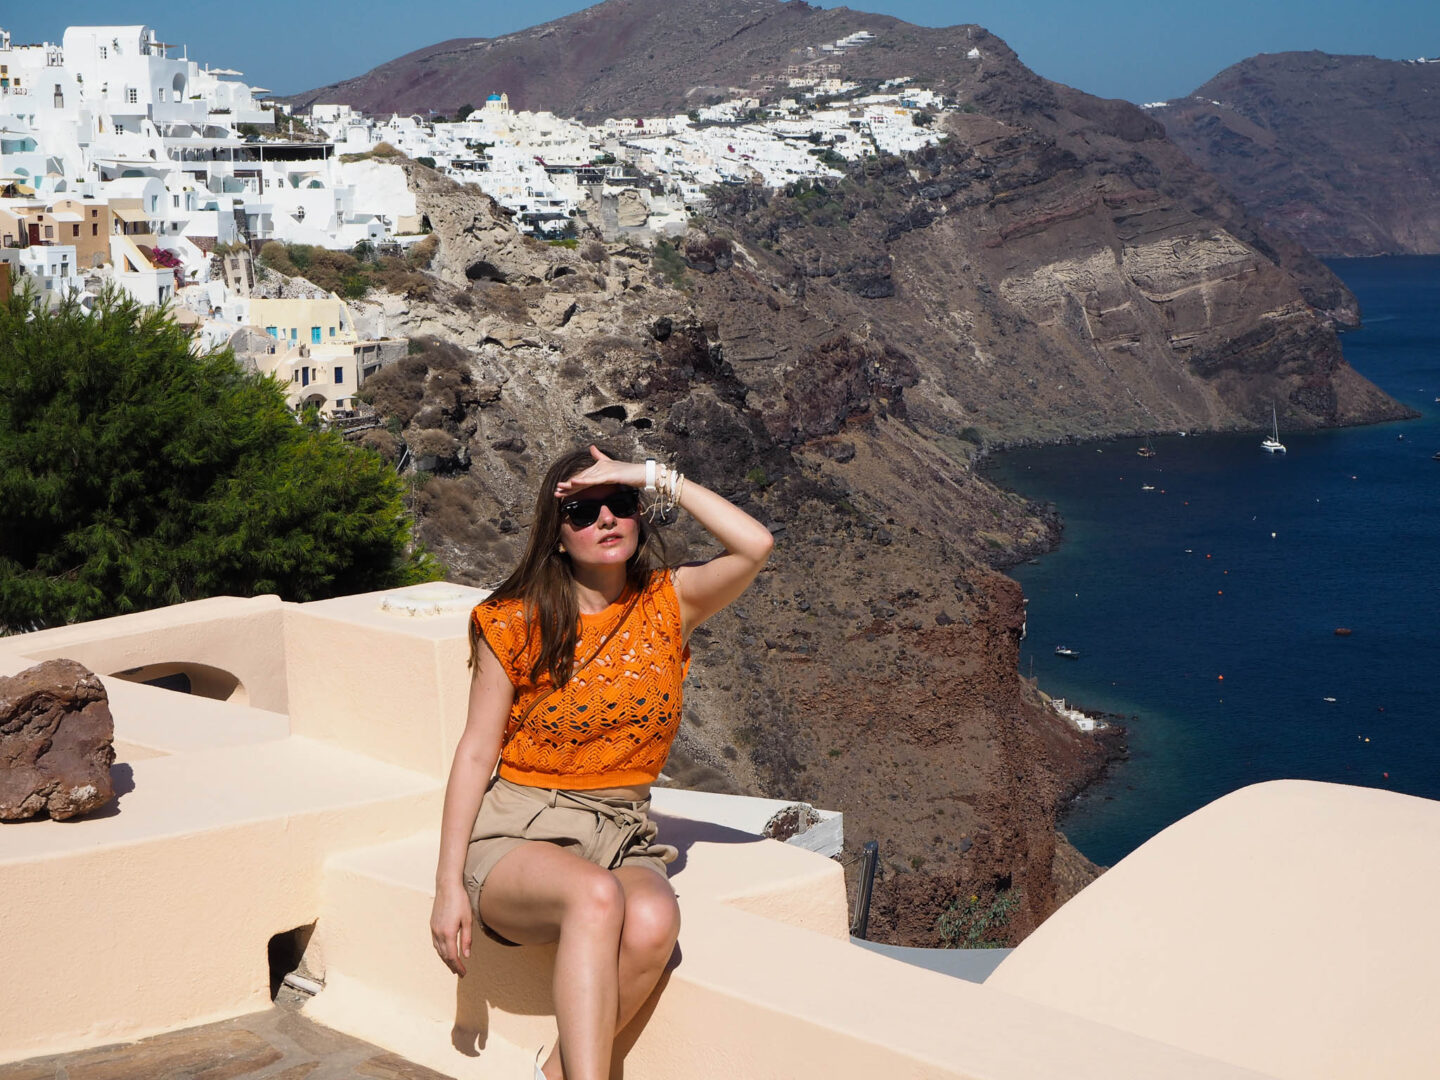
[
  {"x": 135, "y": 473},
  {"x": 353, "y": 273}
]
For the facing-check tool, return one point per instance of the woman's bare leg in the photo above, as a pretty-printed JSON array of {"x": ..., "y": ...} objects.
[
  {"x": 540, "y": 893},
  {"x": 647, "y": 941}
]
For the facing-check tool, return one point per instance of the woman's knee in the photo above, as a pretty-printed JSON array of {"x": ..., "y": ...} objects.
[
  {"x": 652, "y": 922},
  {"x": 596, "y": 899}
]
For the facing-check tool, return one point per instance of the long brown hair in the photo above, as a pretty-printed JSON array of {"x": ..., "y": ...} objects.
[{"x": 544, "y": 580}]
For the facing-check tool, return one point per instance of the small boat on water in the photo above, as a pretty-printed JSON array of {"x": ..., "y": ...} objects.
[
  {"x": 1147, "y": 450},
  {"x": 1067, "y": 652},
  {"x": 1147, "y": 487},
  {"x": 1271, "y": 444}
]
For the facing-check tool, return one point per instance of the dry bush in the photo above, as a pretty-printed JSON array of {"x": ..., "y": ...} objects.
[
  {"x": 428, "y": 442},
  {"x": 505, "y": 301},
  {"x": 381, "y": 441},
  {"x": 277, "y": 257},
  {"x": 448, "y": 507},
  {"x": 593, "y": 251},
  {"x": 397, "y": 391},
  {"x": 419, "y": 255},
  {"x": 395, "y": 275}
]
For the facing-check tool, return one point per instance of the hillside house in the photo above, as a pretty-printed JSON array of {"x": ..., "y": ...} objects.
[{"x": 317, "y": 352}]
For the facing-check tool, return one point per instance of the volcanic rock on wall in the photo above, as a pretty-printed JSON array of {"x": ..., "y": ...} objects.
[{"x": 56, "y": 739}]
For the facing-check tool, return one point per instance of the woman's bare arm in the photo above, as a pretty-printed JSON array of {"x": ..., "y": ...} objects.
[
  {"x": 491, "y": 695},
  {"x": 705, "y": 588}
]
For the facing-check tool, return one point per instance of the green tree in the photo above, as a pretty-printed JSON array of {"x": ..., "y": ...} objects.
[{"x": 136, "y": 473}]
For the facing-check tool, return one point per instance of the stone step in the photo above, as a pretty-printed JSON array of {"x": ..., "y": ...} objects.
[{"x": 767, "y": 983}]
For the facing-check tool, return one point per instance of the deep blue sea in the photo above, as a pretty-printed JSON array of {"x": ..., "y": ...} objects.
[{"x": 1207, "y": 606}]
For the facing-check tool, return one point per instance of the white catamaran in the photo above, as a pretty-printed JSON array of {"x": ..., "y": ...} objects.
[{"x": 1271, "y": 444}]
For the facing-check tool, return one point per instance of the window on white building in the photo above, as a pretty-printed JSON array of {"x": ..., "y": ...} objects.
[
  {"x": 175, "y": 199},
  {"x": 339, "y": 374},
  {"x": 132, "y": 96},
  {"x": 272, "y": 331},
  {"x": 104, "y": 53}
]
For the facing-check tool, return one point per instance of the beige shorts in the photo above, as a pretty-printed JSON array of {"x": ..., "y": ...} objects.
[{"x": 605, "y": 831}]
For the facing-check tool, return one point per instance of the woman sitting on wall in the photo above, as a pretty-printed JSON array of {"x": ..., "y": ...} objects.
[{"x": 576, "y": 664}]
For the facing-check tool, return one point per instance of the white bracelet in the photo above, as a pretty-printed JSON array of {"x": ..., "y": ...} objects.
[{"x": 650, "y": 476}]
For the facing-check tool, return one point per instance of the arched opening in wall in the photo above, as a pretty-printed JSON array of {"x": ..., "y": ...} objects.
[
  {"x": 177, "y": 87},
  {"x": 183, "y": 677}
]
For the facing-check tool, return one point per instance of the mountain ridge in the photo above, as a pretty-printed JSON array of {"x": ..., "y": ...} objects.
[
  {"x": 642, "y": 57},
  {"x": 1341, "y": 153}
]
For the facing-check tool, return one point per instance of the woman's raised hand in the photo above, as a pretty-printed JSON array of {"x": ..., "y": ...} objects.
[{"x": 606, "y": 470}]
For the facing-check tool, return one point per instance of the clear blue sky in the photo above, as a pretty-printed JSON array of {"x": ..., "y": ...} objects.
[{"x": 1143, "y": 50}]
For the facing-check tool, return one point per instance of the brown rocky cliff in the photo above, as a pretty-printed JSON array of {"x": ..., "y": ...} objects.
[
  {"x": 1340, "y": 153},
  {"x": 869, "y": 665},
  {"x": 833, "y": 357}
]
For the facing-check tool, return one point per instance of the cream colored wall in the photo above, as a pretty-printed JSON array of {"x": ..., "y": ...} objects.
[
  {"x": 302, "y": 315},
  {"x": 242, "y": 636},
  {"x": 1289, "y": 927},
  {"x": 1284, "y": 931},
  {"x": 382, "y": 682},
  {"x": 157, "y": 916}
]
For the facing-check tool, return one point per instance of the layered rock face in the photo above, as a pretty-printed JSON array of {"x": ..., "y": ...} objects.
[
  {"x": 1341, "y": 153},
  {"x": 56, "y": 738},
  {"x": 1058, "y": 269}
]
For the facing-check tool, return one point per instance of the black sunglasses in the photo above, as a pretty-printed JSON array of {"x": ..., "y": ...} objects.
[{"x": 582, "y": 513}]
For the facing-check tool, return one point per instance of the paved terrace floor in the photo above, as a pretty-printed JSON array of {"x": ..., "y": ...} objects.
[{"x": 280, "y": 1043}]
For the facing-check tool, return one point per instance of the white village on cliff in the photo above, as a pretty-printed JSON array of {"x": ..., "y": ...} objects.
[{"x": 122, "y": 160}]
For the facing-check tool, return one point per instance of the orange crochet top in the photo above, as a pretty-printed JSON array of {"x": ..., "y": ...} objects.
[{"x": 612, "y": 724}]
